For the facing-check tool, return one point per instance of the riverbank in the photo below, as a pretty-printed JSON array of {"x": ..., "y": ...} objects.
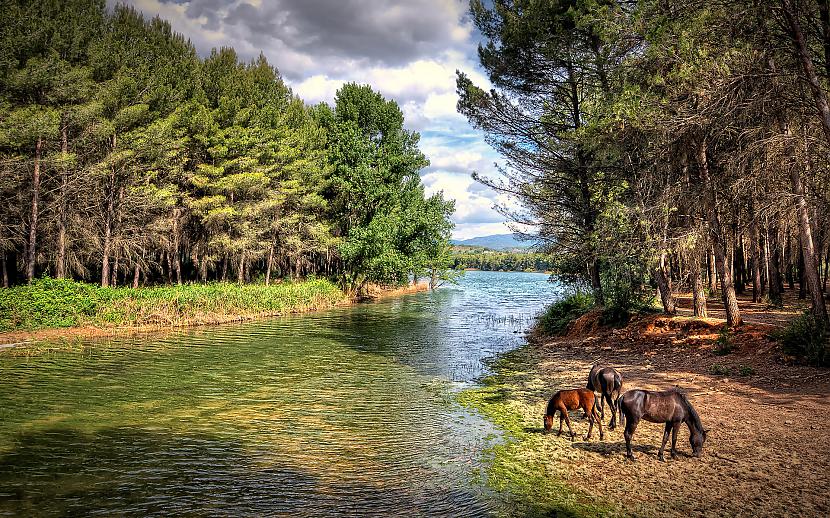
[
  {"x": 53, "y": 308},
  {"x": 764, "y": 418}
]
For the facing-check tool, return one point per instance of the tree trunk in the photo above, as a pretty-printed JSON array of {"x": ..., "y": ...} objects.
[
  {"x": 712, "y": 273},
  {"x": 3, "y": 262},
  {"x": 268, "y": 268},
  {"x": 225, "y": 268},
  {"x": 240, "y": 274},
  {"x": 775, "y": 283},
  {"x": 819, "y": 97},
  {"x": 789, "y": 272},
  {"x": 177, "y": 261},
  {"x": 596, "y": 283},
  {"x": 755, "y": 253},
  {"x": 824, "y": 15},
  {"x": 136, "y": 273},
  {"x": 802, "y": 285},
  {"x": 698, "y": 294},
  {"x": 730, "y": 301},
  {"x": 664, "y": 287},
  {"x": 807, "y": 249},
  {"x": 60, "y": 266},
  {"x": 114, "y": 283},
  {"x": 105, "y": 262},
  {"x": 203, "y": 267},
  {"x": 32, "y": 255}
]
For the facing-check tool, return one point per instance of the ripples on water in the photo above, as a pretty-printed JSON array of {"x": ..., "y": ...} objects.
[{"x": 347, "y": 411}]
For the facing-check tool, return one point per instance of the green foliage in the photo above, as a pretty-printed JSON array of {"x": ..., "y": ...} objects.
[
  {"x": 725, "y": 343},
  {"x": 719, "y": 370},
  {"x": 746, "y": 370},
  {"x": 556, "y": 318},
  {"x": 58, "y": 303},
  {"x": 806, "y": 337},
  {"x": 493, "y": 260},
  {"x": 187, "y": 168}
]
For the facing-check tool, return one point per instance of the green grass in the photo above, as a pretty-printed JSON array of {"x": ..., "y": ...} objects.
[
  {"x": 528, "y": 467},
  {"x": 725, "y": 343},
  {"x": 558, "y": 316},
  {"x": 55, "y": 303},
  {"x": 807, "y": 338}
]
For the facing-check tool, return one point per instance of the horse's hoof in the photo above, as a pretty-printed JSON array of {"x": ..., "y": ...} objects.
[
  {"x": 661, "y": 458},
  {"x": 586, "y": 437},
  {"x": 631, "y": 457},
  {"x": 601, "y": 437}
]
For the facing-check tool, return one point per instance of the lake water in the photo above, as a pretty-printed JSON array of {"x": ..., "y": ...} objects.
[{"x": 349, "y": 411}]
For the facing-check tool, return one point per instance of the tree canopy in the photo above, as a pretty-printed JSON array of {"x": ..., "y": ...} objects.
[
  {"x": 664, "y": 144},
  {"x": 128, "y": 158}
]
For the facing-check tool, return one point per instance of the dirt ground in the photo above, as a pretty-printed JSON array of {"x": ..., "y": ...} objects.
[{"x": 768, "y": 449}]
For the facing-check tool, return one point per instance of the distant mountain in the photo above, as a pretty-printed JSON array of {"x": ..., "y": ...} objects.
[{"x": 494, "y": 242}]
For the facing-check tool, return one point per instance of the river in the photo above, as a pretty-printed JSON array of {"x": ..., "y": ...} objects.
[{"x": 349, "y": 411}]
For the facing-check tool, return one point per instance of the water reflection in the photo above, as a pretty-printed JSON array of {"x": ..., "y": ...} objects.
[{"x": 348, "y": 411}]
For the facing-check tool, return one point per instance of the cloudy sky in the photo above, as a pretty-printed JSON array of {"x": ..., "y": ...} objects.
[{"x": 406, "y": 49}]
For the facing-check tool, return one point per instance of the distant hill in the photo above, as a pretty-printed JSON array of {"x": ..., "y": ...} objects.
[{"x": 494, "y": 242}]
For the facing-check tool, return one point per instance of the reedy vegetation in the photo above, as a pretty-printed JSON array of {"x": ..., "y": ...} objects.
[
  {"x": 128, "y": 159},
  {"x": 669, "y": 144},
  {"x": 58, "y": 303}
]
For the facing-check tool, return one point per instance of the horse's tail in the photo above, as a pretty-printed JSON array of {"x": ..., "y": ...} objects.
[
  {"x": 620, "y": 413},
  {"x": 617, "y": 384}
]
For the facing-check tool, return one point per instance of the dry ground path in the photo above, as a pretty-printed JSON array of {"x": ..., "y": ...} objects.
[{"x": 768, "y": 451}]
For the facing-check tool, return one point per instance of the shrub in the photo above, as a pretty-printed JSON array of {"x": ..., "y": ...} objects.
[
  {"x": 746, "y": 370},
  {"x": 719, "y": 370},
  {"x": 806, "y": 337},
  {"x": 724, "y": 344},
  {"x": 55, "y": 303},
  {"x": 556, "y": 318}
]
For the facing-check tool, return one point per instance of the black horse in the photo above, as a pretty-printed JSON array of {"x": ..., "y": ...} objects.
[
  {"x": 670, "y": 407},
  {"x": 608, "y": 382}
]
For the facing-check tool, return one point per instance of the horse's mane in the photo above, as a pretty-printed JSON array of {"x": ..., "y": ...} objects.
[{"x": 694, "y": 418}]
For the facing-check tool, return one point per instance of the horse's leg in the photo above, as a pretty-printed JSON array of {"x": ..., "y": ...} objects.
[
  {"x": 674, "y": 430},
  {"x": 568, "y": 422},
  {"x": 630, "y": 425},
  {"x": 660, "y": 457},
  {"x": 602, "y": 404},
  {"x": 591, "y": 419},
  {"x": 613, "y": 408},
  {"x": 599, "y": 425},
  {"x": 560, "y": 424}
]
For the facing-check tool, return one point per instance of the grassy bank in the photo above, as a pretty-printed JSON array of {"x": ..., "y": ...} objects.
[
  {"x": 529, "y": 467},
  {"x": 53, "y": 303}
]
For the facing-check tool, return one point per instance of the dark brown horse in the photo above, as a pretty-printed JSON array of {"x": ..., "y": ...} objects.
[
  {"x": 670, "y": 407},
  {"x": 574, "y": 399},
  {"x": 608, "y": 382}
]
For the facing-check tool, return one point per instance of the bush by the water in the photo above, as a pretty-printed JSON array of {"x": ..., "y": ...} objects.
[
  {"x": 807, "y": 337},
  {"x": 558, "y": 316},
  {"x": 56, "y": 303}
]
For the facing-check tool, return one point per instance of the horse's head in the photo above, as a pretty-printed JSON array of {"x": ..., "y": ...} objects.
[
  {"x": 548, "y": 423},
  {"x": 697, "y": 440}
]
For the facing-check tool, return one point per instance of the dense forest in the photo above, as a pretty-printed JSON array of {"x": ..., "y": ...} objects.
[
  {"x": 670, "y": 144},
  {"x": 495, "y": 260},
  {"x": 129, "y": 159}
]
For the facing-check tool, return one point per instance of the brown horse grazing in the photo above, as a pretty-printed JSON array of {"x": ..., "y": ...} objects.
[
  {"x": 565, "y": 400},
  {"x": 608, "y": 382},
  {"x": 670, "y": 407}
]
